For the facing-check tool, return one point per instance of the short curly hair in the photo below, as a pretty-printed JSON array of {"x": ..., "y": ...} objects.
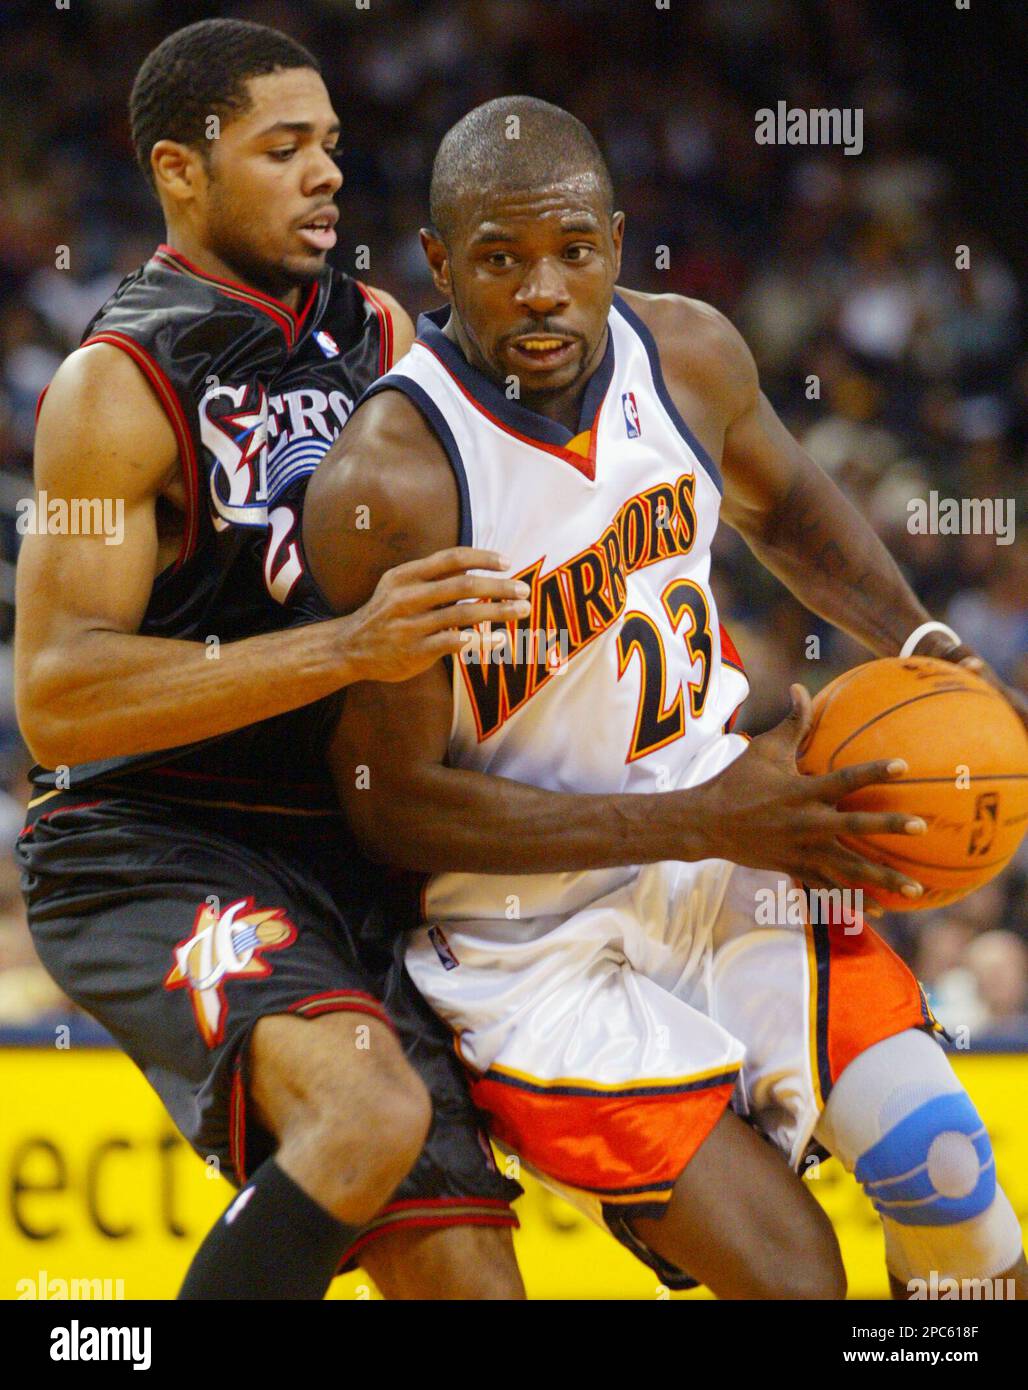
[{"x": 202, "y": 71}]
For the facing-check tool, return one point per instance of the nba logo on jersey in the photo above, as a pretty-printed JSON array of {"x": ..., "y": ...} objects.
[
  {"x": 443, "y": 949},
  {"x": 327, "y": 343},
  {"x": 631, "y": 410}
]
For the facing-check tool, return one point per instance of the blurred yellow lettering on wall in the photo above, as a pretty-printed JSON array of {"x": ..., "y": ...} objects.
[{"x": 102, "y": 1194}]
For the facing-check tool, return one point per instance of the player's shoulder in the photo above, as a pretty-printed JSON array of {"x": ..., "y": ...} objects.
[
  {"x": 696, "y": 342},
  {"x": 388, "y": 301},
  {"x": 384, "y": 493},
  {"x": 397, "y": 324},
  {"x": 97, "y": 381},
  {"x": 385, "y": 448},
  {"x": 99, "y": 413}
]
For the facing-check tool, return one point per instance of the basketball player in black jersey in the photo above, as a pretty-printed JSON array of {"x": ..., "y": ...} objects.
[{"x": 187, "y": 871}]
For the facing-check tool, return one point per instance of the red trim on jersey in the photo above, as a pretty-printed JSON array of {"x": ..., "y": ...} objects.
[
  {"x": 730, "y": 657},
  {"x": 289, "y": 321},
  {"x": 385, "y": 327},
  {"x": 39, "y": 402},
  {"x": 237, "y": 1122},
  {"x": 730, "y": 652},
  {"x": 585, "y": 463},
  {"x": 78, "y": 806},
  {"x": 222, "y": 777},
  {"x": 312, "y": 295},
  {"x": 168, "y": 398}
]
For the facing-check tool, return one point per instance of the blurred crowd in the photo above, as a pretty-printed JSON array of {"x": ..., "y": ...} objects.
[{"x": 894, "y": 356}]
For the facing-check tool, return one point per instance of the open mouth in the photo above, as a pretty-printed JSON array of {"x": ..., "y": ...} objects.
[
  {"x": 319, "y": 232},
  {"x": 544, "y": 351}
]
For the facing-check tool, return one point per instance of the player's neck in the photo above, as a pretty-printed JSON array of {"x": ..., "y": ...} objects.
[
  {"x": 563, "y": 407},
  {"x": 212, "y": 264}
]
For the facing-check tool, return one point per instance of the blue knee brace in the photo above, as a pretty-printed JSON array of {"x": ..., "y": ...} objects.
[{"x": 901, "y": 1182}]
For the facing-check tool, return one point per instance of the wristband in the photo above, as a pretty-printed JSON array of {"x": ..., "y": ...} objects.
[{"x": 910, "y": 645}]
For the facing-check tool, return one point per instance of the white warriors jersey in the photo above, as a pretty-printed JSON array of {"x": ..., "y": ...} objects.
[{"x": 621, "y": 680}]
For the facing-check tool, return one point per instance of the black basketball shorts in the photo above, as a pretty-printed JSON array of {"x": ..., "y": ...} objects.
[{"x": 179, "y": 930}]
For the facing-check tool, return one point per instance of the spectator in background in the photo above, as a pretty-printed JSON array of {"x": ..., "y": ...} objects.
[
  {"x": 993, "y": 618},
  {"x": 983, "y": 992},
  {"x": 998, "y": 962}
]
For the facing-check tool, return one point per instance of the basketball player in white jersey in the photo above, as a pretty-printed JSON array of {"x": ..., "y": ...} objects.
[{"x": 598, "y": 840}]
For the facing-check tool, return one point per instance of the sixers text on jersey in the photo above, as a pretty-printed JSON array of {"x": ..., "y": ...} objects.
[{"x": 255, "y": 400}]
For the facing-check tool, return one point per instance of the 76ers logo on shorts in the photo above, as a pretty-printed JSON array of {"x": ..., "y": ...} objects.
[
  {"x": 224, "y": 946},
  {"x": 628, "y": 405}
]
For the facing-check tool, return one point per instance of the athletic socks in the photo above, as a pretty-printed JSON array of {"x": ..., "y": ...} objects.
[{"x": 273, "y": 1242}]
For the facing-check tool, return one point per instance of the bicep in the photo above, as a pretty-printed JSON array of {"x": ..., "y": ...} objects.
[
  {"x": 761, "y": 464},
  {"x": 760, "y": 461},
  {"x": 103, "y": 450}
]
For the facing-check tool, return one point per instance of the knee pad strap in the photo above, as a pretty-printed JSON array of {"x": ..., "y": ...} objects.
[{"x": 934, "y": 1168}]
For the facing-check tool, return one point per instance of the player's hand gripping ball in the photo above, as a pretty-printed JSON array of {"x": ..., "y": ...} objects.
[{"x": 967, "y": 770}]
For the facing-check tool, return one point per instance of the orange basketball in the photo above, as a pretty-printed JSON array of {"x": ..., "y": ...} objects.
[{"x": 967, "y": 770}]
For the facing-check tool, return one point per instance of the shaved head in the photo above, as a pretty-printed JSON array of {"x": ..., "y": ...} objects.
[{"x": 511, "y": 145}]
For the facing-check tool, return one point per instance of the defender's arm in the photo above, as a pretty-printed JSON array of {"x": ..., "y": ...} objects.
[{"x": 88, "y": 686}]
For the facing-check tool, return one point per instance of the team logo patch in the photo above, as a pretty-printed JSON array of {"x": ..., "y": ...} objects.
[
  {"x": 327, "y": 343},
  {"x": 443, "y": 949},
  {"x": 234, "y": 428},
  {"x": 224, "y": 946},
  {"x": 628, "y": 405}
]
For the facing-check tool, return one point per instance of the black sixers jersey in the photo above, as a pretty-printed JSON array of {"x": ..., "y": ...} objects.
[{"x": 255, "y": 393}]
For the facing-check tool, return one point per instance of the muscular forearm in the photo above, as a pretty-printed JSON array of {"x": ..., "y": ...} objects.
[
  {"x": 450, "y": 820},
  {"x": 825, "y": 553},
  {"x": 111, "y": 694}
]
